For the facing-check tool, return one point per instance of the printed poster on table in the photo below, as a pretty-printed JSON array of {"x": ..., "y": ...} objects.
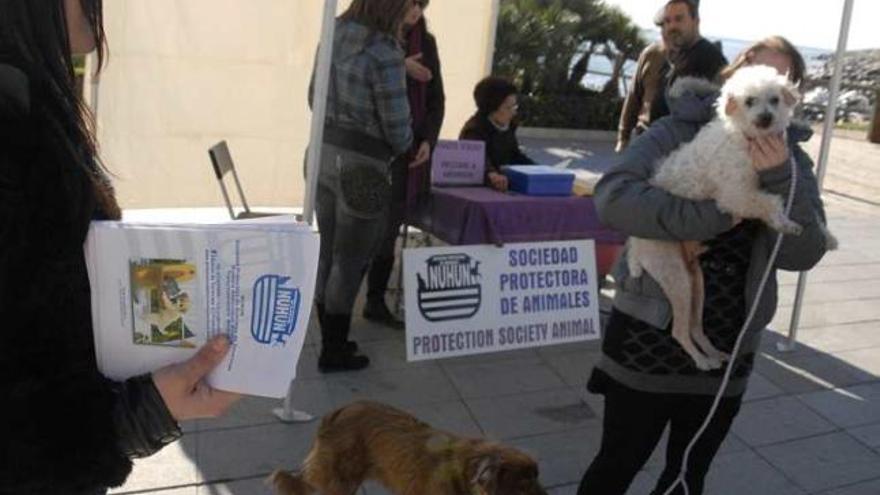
[
  {"x": 458, "y": 163},
  {"x": 463, "y": 300}
]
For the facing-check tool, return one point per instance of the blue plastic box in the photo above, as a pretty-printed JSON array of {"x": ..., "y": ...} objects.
[{"x": 539, "y": 180}]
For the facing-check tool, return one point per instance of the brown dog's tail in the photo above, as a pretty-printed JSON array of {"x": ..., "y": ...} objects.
[{"x": 290, "y": 484}]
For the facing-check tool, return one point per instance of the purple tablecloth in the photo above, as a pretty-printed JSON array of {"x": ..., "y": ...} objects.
[{"x": 479, "y": 215}]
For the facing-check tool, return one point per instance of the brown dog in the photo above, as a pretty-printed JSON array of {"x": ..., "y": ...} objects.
[{"x": 367, "y": 440}]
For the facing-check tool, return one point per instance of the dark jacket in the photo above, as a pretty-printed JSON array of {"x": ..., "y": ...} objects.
[
  {"x": 426, "y": 130},
  {"x": 656, "y": 71},
  {"x": 626, "y": 201},
  {"x": 64, "y": 428},
  {"x": 436, "y": 100},
  {"x": 502, "y": 147}
]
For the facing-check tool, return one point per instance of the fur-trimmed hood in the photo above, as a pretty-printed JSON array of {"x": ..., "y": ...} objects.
[{"x": 693, "y": 99}]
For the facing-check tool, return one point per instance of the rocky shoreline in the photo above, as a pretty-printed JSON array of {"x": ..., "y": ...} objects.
[{"x": 859, "y": 87}]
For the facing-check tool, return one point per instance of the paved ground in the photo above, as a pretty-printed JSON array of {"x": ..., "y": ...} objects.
[{"x": 810, "y": 424}]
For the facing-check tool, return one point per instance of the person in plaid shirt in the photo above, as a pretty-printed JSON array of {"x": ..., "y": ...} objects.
[{"x": 367, "y": 126}]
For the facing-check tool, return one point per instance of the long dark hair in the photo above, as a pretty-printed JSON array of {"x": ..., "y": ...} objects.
[
  {"x": 34, "y": 38},
  {"x": 385, "y": 16}
]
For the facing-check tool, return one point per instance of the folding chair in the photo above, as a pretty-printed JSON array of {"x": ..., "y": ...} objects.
[{"x": 221, "y": 160}]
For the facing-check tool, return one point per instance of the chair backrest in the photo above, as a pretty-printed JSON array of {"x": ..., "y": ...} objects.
[{"x": 221, "y": 161}]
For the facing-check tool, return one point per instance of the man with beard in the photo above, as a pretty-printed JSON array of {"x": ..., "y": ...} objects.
[{"x": 681, "y": 52}]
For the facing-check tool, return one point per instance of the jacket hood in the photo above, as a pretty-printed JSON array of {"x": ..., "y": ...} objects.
[
  {"x": 799, "y": 131},
  {"x": 693, "y": 99}
]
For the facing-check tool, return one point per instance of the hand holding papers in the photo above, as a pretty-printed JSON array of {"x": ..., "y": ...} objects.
[{"x": 160, "y": 291}]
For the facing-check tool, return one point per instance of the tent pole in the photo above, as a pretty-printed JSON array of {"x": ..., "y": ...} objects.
[
  {"x": 319, "y": 107},
  {"x": 828, "y": 129},
  {"x": 287, "y": 413}
]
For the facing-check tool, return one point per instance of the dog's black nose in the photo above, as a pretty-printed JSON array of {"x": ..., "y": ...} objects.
[{"x": 764, "y": 120}]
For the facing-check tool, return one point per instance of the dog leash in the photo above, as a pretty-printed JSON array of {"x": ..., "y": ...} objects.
[{"x": 736, "y": 348}]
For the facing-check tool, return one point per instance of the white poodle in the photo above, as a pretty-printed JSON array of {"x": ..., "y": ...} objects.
[{"x": 755, "y": 101}]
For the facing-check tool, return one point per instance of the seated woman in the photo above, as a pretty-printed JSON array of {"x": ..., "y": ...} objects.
[{"x": 493, "y": 124}]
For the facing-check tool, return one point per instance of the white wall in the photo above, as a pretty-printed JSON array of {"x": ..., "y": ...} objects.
[{"x": 184, "y": 74}]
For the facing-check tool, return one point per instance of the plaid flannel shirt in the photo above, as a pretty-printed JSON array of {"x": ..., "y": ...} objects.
[{"x": 370, "y": 86}]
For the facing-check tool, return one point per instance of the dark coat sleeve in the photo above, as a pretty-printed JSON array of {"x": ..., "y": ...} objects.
[
  {"x": 802, "y": 252},
  {"x": 60, "y": 417},
  {"x": 705, "y": 61},
  {"x": 474, "y": 131},
  {"x": 519, "y": 157},
  {"x": 436, "y": 101}
]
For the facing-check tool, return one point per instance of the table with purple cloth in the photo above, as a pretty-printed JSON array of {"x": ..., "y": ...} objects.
[{"x": 480, "y": 215}]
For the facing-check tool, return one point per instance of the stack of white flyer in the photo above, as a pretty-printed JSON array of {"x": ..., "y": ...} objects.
[{"x": 161, "y": 290}]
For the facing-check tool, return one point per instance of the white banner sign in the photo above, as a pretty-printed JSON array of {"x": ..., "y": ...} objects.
[{"x": 463, "y": 300}]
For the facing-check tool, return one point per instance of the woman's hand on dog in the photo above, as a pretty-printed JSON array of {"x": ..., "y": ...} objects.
[
  {"x": 768, "y": 152},
  {"x": 183, "y": 386}
]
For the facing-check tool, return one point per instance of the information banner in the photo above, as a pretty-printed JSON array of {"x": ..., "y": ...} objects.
[{"x": 463, "y": 300}]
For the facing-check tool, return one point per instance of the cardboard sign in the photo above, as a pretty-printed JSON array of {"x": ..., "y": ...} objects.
[{"x": 458, "y": 163}]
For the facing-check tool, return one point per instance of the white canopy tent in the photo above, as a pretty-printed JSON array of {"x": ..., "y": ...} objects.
[{"x": 184, "y": 74}]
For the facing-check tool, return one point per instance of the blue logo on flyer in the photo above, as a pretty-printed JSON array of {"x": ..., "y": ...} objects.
[{"x": 275, "y": 309}]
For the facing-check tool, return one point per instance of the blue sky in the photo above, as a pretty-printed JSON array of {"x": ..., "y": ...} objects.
[{"x": 809, "y": 23}]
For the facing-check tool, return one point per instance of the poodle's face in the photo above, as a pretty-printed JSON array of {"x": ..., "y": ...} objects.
[{"x": 759, "y": 101}]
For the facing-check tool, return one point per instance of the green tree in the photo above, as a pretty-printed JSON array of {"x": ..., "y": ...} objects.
[
  {"x": 593, "y": 31},
  {"x": 545, "y": 46},
  {"x": 624, "y": 43},
  {"x": 533, "y": 38}
]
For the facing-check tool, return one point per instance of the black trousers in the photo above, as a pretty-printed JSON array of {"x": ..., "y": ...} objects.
[
  {"x": 383, "y": 261},
  {"x": 633, "y": 424}
]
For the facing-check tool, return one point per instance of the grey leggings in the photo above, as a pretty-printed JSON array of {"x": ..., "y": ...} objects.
[{"x": 348, "y": 240}]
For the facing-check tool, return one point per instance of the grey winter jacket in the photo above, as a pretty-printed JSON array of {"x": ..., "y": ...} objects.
[{"x": 626, "y": 201}]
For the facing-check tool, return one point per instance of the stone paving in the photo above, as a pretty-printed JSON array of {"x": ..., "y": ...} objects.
[{"x": 810, "y": 423}]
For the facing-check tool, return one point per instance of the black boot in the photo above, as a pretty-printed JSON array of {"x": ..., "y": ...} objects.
[
  {"x": 376, "y": 310},
  {"x": 377, "y": 284},
  {"x": 334, "y": 355},
  {"x": 351, "y": 346},
  {"x": 319, "y": 307},
  {"x": 377, "y": 277}
]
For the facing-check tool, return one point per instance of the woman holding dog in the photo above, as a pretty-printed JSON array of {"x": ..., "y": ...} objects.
[
  {"x": 65, "y": 428},
  {"x": 648, "y": 381}
]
